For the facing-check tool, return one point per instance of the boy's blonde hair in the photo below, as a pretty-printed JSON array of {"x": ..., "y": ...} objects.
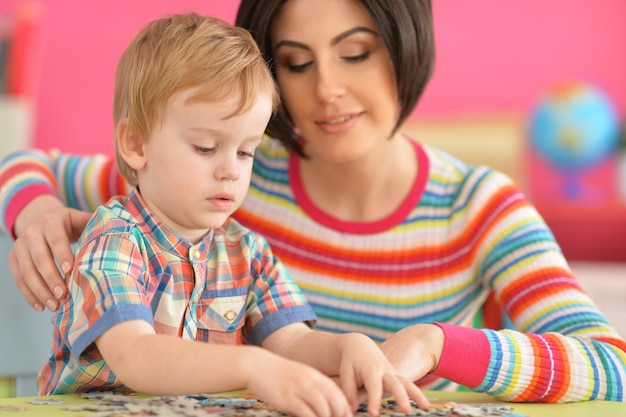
[{"x": 185, "y": 51}]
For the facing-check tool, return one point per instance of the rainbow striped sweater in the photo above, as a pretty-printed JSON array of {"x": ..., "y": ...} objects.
[{"x": 462, "y": 232}]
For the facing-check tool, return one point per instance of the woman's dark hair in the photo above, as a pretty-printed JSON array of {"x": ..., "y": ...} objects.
[{"x": 406, "y": 27}]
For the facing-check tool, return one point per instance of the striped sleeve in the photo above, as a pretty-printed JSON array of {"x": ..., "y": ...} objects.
[
  {"x": 562, "y": 349},
  {"x": 81, "y": 182}
]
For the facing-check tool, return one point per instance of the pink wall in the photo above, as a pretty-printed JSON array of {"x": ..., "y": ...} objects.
[
  {"x": 493, "y": 55},
  {"x": 82, "y": 43},
  {"x": 501, "y": 55}
]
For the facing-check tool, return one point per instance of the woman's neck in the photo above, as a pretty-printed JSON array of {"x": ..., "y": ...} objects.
[{"x": 365, "y": 190}]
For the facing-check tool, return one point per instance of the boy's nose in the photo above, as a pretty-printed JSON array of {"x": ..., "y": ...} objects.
[{"x": 228, "y": 169}]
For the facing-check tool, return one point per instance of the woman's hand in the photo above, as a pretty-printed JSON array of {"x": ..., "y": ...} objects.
[
  {"x": 45, "y": 229},
  {"x": 364, "y": 366},
  {"x": 415, "y": 350},
  {"x": 355, "y": 362}
]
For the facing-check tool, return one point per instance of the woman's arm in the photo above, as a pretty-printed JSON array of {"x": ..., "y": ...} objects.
[
  {"x": 79, "y": 182},
  {"x": 36, "y": 189},
  {"x": 561, "y": 349}
]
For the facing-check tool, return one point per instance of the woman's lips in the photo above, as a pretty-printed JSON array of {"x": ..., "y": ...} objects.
[{"x": 338, "y": 124}]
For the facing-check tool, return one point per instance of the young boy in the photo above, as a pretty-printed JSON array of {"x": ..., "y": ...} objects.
[{"x": 165, "y": 268}]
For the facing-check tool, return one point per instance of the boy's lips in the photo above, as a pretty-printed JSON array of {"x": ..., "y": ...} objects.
[
  {"x": 223, "y": 201},
  {"x": 223, "y": 196}
]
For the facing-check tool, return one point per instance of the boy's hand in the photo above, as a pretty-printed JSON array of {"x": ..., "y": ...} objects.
[
  {"x": 363, "y": 365},
  {"x": 298, "y": 389}
]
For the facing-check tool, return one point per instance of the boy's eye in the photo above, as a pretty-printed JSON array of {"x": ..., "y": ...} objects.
[
  {"x": 245, "y": 154},
  {"x": 202, "y": 150}
]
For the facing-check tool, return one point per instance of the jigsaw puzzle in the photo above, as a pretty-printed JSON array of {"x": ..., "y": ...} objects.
[{"x": 109, "y": 404}]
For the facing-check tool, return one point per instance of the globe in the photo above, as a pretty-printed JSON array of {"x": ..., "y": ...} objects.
[{"x": 574, "y": 126}]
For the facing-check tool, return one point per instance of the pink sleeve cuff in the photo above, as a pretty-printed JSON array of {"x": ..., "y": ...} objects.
[
  {"x": 465, "y": 355},
  {"x": 21, "y": 199}
]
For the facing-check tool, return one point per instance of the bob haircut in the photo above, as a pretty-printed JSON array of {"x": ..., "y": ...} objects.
[
  {"x": 186, "y": 51},
  {"x": 406, "y": 27}
]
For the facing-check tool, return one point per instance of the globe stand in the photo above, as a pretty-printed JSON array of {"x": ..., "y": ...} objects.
[{"x": 572, "y": 186}]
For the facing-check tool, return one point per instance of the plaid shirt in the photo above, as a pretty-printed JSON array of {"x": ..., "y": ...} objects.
[{"x": 227, "y": 289}]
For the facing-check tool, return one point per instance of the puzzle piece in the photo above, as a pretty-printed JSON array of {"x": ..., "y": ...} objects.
[
  {"x": 13, "y": 408},
  {"x": 45, "y": 401}
]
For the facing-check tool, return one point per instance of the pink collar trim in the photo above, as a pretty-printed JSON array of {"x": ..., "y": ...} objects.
[{"x": 378, "y": 226}]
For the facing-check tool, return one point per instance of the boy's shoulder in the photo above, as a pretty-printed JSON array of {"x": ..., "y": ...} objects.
[
  {"x": 232, "y": 230},
  {"x": 234, "y": 233},
  {"x": 111, "y": 217}
]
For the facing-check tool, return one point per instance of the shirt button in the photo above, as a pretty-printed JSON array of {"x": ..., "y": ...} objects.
[
  {"x": 196, "y": 253},
  {"x": 230, "y": 315}
]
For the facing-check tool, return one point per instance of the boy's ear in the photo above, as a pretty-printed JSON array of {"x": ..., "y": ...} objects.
[{"x": 130, "y": 146}]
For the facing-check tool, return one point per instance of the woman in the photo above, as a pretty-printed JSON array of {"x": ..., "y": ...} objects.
[{"x": 385, "y": 236}]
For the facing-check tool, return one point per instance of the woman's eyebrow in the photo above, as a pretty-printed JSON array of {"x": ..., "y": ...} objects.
[
  {"x": 291, "y": 43},
  {"x": 334, "y": 41},
  {"x": 351, "y": 32}
]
